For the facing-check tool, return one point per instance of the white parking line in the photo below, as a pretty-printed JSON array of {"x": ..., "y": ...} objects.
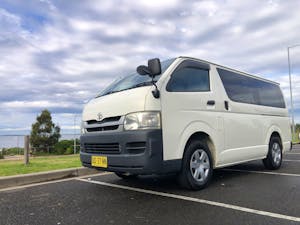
[
  {"x": 263, "y": 172},
  {"x": 51, "y": 182},
  {"x": 291, "y": 160},
  {"x": 202, "y": 201}
]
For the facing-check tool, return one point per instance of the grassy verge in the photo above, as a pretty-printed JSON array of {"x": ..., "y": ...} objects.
[
  {"x": 40, "y": 164},
  {"x": 295, "y": 138}
]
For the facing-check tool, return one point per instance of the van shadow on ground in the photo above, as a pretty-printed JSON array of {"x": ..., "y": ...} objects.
[{"x": 221, "y": 178}]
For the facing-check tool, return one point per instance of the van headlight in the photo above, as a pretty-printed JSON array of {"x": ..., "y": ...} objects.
[{"x": 142, "y": 120}]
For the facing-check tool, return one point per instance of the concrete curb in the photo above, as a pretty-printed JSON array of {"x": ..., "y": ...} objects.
[{"x": 17, "y": 180}]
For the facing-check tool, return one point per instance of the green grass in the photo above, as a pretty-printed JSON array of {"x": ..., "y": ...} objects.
[
  {"x": 295, "y": 138},
  {"x": 39, "y": 164}
]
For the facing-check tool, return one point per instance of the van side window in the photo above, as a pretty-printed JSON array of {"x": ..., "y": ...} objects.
[
  {"x": 244, "y": 89},
  {"x": 189, "y": 79},
  {"x": 270, "y": 95}
]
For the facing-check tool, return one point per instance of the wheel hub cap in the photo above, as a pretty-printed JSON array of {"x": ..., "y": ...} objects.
[
  {"x": 276, "y": 153},
  {"x": 200, "y": 165}
]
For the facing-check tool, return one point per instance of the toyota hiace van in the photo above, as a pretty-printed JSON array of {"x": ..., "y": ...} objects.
[{"x": 185, "y": 116}]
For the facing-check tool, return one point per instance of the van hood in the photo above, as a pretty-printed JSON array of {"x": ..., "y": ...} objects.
[{"x": 116, "y": 104}]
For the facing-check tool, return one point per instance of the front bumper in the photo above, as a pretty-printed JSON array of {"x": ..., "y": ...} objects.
[{"x": 147, "y": 158}]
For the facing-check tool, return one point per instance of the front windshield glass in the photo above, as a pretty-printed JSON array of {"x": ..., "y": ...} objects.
[{"x": 134, "y": 80}]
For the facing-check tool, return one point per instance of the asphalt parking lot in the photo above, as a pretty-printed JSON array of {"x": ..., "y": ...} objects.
[{"x": 244, "y": 194}]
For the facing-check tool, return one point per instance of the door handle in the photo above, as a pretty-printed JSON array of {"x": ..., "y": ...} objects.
[
  {"x": 211, "y": 102},
  {"x": 226, "y": 105}
]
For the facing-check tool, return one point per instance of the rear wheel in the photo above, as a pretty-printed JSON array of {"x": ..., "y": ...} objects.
[
  {"x": 197, "y": 166},
  {"x": 125, "y": 175},
  {"x": 274, "y": 158}
]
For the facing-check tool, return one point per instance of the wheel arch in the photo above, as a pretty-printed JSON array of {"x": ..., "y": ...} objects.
[
  {"x": 274, "y": 131},
  {"x": 276, "y": 134},
  {"x": 199, "y": 130},
  {"x": 200, "y": 135}
]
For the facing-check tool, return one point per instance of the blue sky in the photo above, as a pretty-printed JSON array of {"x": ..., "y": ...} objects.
[{"x": 59, "y": 54}]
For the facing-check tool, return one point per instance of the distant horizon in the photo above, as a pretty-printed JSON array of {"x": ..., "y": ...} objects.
[
  {"x": 23, "y": 133},
  {"x": 11, "y": 141}
]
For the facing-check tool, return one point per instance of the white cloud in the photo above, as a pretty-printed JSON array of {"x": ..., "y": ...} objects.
[
  {"x": 154, "y": 5},
  {"x": 207, "y": 8},
  {"x": 63, "y": 54}
]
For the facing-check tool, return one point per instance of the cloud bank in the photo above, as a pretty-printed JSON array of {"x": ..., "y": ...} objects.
[{"x": 59, "y": 54}]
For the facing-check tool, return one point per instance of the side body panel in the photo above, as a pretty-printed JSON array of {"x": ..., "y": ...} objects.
[
  {"x": 185, "y": 113},
  {"x": 243, "y": 133},
  {"x": 248, "y": 128}
]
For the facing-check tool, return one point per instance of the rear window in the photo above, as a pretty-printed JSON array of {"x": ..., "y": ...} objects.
[{"x": 244, "y": 89}]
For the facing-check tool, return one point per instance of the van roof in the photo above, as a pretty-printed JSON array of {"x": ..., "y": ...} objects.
[{"x": 226, "y": 67}]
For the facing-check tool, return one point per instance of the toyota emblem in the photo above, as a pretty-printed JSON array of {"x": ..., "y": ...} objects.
[{"x": 99, "y": 116}]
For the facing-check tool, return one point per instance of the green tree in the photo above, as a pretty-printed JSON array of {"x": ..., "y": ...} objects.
[{"x": 44, "y": 133}]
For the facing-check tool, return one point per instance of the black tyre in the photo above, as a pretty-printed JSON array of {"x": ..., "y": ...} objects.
[
  {"x": 125, "y": 175},
  {"x": 197, "y": 166},
  {"x": 274, "y": 158}
]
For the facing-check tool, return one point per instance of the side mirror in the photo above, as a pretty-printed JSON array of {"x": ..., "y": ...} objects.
[
  {"x": 143, "y": 70},
  {"x": 153, "y": 69},
  {"x": 154, "y": 66}
]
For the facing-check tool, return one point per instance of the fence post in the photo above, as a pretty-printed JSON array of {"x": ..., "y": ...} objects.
[{"x": 26, "y": 149}]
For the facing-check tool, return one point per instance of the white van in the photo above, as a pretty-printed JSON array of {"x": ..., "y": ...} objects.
[{"x": 184, "y": 116}]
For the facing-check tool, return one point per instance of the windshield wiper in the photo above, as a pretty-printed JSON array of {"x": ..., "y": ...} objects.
[
  {"x": 147, "y": 83},
  {"x": 108, "y": 93},
  {"x": 134, "y": 86},
  {"x": 141, "y": 84}
]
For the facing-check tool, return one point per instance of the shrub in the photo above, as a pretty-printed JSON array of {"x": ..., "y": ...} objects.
[
  {"x": 66, "y": 147},
  {"x": 61, "y": 146},
  {"x": 14, "y": 151},
  {"x": 70, "y": 150}
]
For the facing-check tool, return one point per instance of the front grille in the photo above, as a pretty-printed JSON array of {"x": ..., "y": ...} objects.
[
  {"x": 136, "y": 147},
  {"x": 102, "y": 148},
  {"x": 105, "y": 120},
  {"x": 107, "y": 124},
  {"x": 94, "y": 129}
]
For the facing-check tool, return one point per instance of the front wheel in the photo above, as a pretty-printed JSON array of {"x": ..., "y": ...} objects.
[
  {"x": 197, "y": 166},
  {"x": 274, "y": 158}
]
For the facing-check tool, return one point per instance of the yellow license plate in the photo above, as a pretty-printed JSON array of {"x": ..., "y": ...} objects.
[{"x": 99, "y": 161}]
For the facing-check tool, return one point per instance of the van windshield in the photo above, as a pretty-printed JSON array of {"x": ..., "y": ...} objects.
[{"x": 134, "y": 80}]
